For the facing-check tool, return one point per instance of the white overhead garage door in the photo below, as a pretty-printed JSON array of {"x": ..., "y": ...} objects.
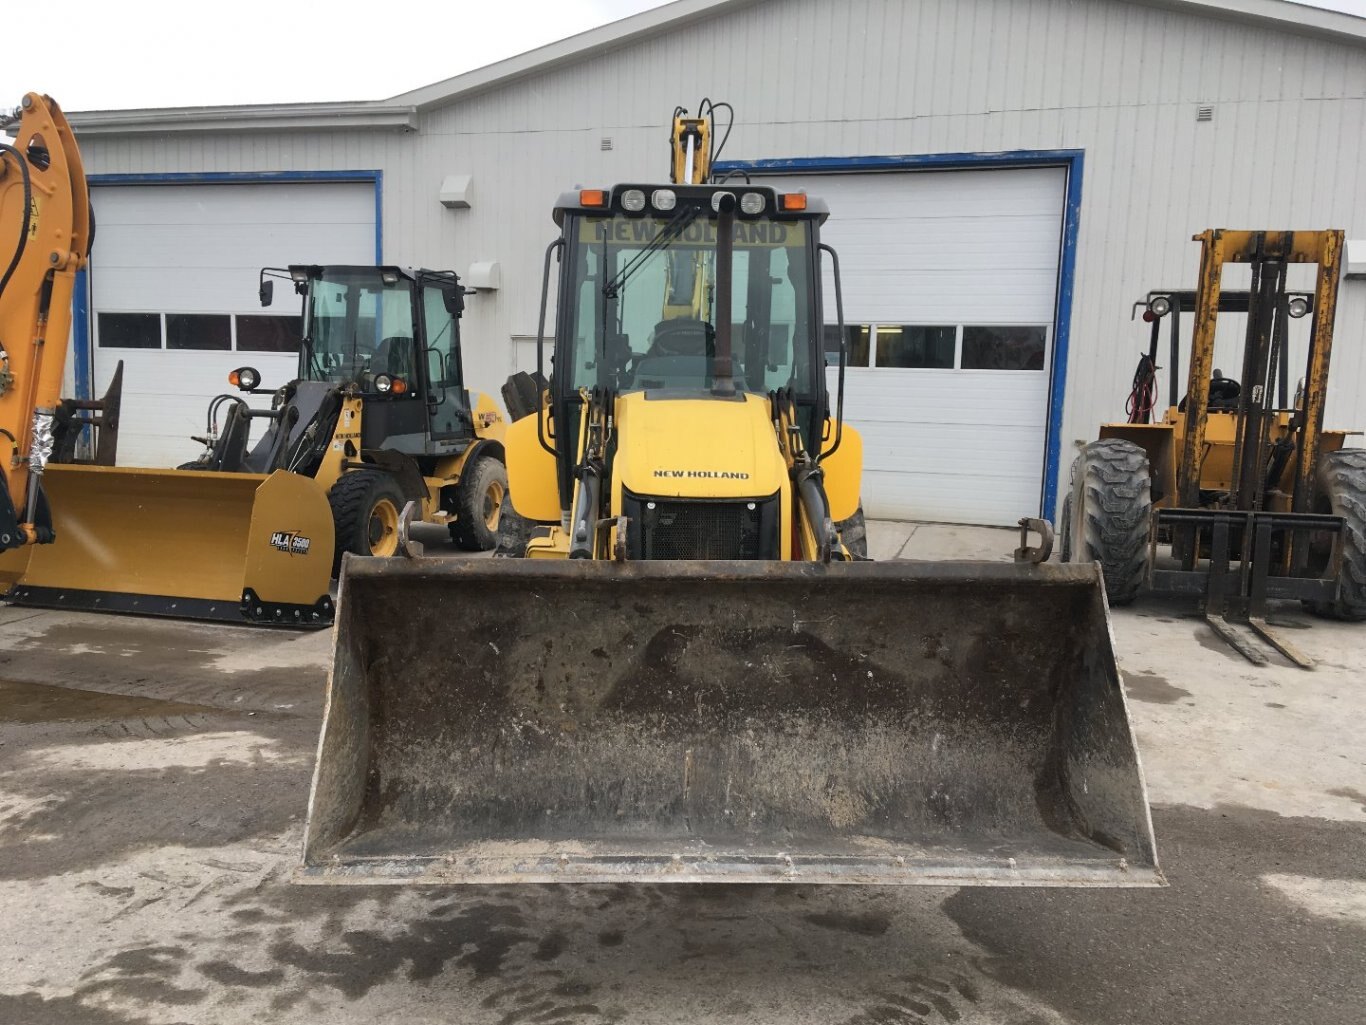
[
  {"x": 950, "y": 282},
  {"x": 174, "y": 294}
]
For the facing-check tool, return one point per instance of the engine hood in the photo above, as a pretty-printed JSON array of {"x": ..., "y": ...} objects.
[{"x": 697, "y": 447}]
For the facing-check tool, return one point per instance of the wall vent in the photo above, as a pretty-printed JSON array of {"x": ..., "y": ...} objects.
[
  {"x": 1204, "y": 113},
  {"x": 606, "y": 143}
]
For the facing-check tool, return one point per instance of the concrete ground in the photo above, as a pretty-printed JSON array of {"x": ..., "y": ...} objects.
[{"x": 153, "y": 780}]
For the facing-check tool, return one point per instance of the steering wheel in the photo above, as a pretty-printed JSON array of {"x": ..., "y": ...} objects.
[{"x": 684, "y": 336}]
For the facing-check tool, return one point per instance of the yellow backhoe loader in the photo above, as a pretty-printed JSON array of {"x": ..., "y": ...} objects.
[
  {"x": 45, "y": 236},
  {"x": 688, "y": 677},
  {"x": 1238, "y": 495},
  {"x": 377, "y": 417}
]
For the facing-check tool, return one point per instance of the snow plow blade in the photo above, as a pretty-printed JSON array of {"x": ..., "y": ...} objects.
[
  {"x": 545, "y": 721},
  {"x": 232, "y": 547}
]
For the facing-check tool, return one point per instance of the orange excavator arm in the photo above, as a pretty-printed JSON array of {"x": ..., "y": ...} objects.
[{"x": 45, "y": 237}]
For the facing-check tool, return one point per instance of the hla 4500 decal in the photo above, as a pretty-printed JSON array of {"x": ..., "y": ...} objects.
[{"x": 291, "y": 543}]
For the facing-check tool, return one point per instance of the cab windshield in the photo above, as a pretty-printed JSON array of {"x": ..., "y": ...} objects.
[
  {"x": 356, "y": 326},
  {"x": 643, "y": 308}
]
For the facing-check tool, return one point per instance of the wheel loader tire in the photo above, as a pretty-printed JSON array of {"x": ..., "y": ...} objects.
[
  {"x": 365, "y": 509},
  {"x": 480, "y": 498},
  {"x": 854, "y": 533},
  {"x": 1342, "y": 486},
  {"x": 514, "y": 531},
  {"x": 1115, "y": 516}
]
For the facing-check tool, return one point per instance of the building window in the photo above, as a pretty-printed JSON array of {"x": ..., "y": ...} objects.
[
  {"x": 129, "y": 330},
  {"x": 1003, "y": 348},
  {"x": 268, "y": 333},
  {"x": 916, "y": 346},
  {"x": 198, "y": 331},
  {"x": 856, "y": 344}
]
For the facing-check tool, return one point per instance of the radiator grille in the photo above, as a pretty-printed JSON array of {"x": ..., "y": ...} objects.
[{"x": 700, "y": 530}]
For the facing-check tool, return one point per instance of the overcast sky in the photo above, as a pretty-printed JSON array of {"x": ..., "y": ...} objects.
[{"x": 111, "y": 54}]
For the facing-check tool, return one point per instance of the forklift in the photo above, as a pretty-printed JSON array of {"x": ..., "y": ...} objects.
[{"x": 1238, "y": 495}]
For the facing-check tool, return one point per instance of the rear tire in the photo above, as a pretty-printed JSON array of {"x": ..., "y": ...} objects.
[
  {"x": 514, "y": 531},
  {"x": 365, "y": 508},
  {"x": 854, "y": 533},
  {"x": 479, "y": 499},
  {"x": 1116, "y": 514},
  {"x": 1342, "y": 483}
]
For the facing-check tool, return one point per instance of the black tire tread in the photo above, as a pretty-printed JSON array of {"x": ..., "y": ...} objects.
[
  {"x": 1116, "y": 514},
  {"x": 469, "y": 531},
  {"x": 854, "y": 533},
  {"x": 1342, "y": 480},
  {"x": 1064, "y": 530},
  {"x": 351, "y": 498},
  {"x": 514, "y": 531}
]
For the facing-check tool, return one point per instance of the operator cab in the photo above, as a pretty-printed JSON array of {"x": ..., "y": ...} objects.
[{"x": 641, "y": 299}]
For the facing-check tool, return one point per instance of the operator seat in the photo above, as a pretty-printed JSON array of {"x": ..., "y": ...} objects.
[
  {"x": 682, "y": 336},
  {"x": 1223, "y": 394},
  {"x": 393, "y": 356}
]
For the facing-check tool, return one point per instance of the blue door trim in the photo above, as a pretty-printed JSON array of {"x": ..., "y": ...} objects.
[
  {"x": 83, "y": 355},
  {"x": 1071, "y": 159}
]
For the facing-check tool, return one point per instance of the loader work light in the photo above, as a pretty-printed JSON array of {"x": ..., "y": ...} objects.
[
  {"x": 245, "y": 378},
  {"x": 752, "y": 203},
  {"x": 1159, "y": 305},
  {"x": 383, "y": 382},
  {"x": 664, "y": 200},
  {"x": 633, "y": 201},
  {"x": 1297, "y": 307}
]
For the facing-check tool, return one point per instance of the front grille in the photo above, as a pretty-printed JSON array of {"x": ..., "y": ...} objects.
[{"x": 682, "y": 529}]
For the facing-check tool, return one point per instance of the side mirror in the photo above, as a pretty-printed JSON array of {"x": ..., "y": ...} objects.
[
  {"x": 454, "y": 299},
  {"x": 267, "y": 291},
  {"x": 245, "y": 378}
]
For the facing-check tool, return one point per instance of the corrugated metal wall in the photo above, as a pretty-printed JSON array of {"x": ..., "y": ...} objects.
[{"x": 1120, "y": 81}]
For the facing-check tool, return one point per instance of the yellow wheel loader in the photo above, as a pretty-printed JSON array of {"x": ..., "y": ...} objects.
[
  {"x": 1238, "y": 496},
  {"x": 377, "y": 417},
  {"x": 688, "y": 677}
]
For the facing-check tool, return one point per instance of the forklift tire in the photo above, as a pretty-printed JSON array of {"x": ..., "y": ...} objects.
[
  {"x": 479, "y": 500},
  {"x": 1115, "y": 516},
  {"x": 1342, "y": 491},
  {"x": 854, "y": 533},
  {"x": 365, "y": 510},
  {"x": 1064, "y": 530}
]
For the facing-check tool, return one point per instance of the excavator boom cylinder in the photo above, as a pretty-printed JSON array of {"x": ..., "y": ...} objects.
[{"x": 542, "y": 721}]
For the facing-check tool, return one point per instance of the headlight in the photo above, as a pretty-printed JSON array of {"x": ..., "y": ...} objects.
[
  {"x": 752, "y": 203},
  {"x": 633, "y": 201},
  {"x": 1297, "y": 307},
  {"x": 717, "y": 198},
  {"x": 383, "y": 382},
  {"x": 1160, "y": 305},
  {"x": 664, "y": 200}
]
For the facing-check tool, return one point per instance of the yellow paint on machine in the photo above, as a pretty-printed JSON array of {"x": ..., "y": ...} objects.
[
  {"x": 185, "y": 534},
  {"x": 696, "y": 448}
]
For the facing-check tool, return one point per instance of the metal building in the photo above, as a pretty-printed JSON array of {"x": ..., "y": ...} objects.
[{"x": 1005, "y": 177}]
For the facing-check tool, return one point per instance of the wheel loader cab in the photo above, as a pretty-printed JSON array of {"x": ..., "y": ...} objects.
[{"x": 391, "y": 336}]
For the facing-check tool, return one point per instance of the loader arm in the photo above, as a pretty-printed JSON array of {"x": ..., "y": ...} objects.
[{"x": 45, "y": 236}]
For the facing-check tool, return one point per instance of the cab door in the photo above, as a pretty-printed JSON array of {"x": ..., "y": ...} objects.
[{"x": 448, "y": 407}]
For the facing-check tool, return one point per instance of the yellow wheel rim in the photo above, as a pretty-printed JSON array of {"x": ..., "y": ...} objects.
[
  {"x": 382, "y": 530},
  {"x": 493, "y": 504}
]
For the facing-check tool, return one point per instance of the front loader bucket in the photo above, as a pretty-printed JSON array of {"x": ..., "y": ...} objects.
[
  {"x": 538, "y": 721},
  {"x": 235, "y": 547}
]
